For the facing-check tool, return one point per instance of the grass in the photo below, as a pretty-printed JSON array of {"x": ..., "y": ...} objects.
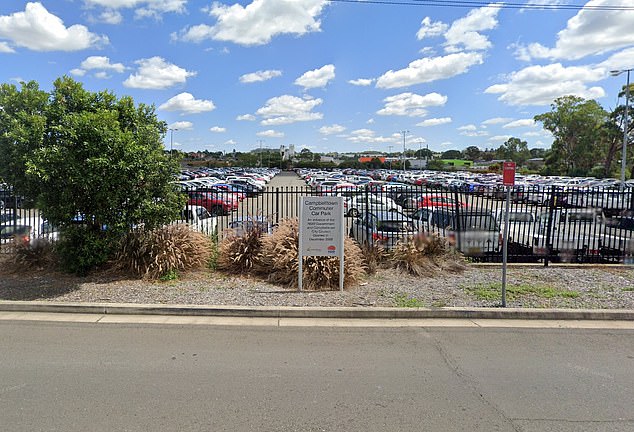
[
  {"x": 404, "y": 301},
  {"x": 170, "y": 275},
  {"x": 493, "y": 291},
  {"x": 628, "y": 289}
]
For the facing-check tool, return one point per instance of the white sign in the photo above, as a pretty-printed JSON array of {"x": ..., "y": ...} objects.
[{"x": 321, "y": 227}]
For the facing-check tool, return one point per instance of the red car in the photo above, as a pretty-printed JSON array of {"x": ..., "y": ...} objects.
[
  {"x": 216, "y": 204},
  {"x": 439, "y": 201}
]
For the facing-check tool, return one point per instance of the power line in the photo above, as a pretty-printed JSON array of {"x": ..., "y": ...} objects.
[{"x": 476, "y": 3}]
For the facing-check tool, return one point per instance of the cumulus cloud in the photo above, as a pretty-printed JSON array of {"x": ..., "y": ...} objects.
[
  {"x": 258, "y": 22},
  {"x": 363, "y": 82},
  {"x": 540, "y": 85},
  {"x": 181, "y": 125},
  {"x": 100, "y": 63},
  {"x": 187, "y": 104},
  {"x": 434, "y": 122},
  {"x": 330, "y": 130},
  {"x": 260, "y": 76},
  {"x": 496, "y": 120},
  {"x": 430, "y": 29},
  {"x": 519, "y": 124},
  {"x": 39, "y": 30},
  {"x": 143, "y": 8},
  {"x": 411, "y": 104},
  {"x": 5, "y": 48},
  {"x": 270, "y": 133},
  {"x": 370, "y": 136},
  {"x": 317, "y": 78},
  {"x": 246, "y": 117},
  {"x": 587, "y": 33},
  {"x": 430, "y": 69},
  {"x": 156, "y": 73},
  {"x": 217, "y": 129},
  {"x": 111, "y": 17},
  {"x": 464, "y": 33},
  {"x": 288, "y": 109}
]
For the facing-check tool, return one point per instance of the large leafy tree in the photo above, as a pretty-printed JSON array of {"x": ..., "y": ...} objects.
[
  {"x": 578, "y": 128},
  {"x": 514, "y": 149},
  {"x": 76, "y": 152}
]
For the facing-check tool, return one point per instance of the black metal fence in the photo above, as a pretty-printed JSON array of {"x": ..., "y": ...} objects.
[{"x": 546, "y": 224}]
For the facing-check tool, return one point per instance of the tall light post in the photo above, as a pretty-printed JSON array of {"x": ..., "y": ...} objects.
[
  {"x": 171, "y": 139},
  {"x": 625, "y": 122},
  {"x": 390, "y": 147},
  {"x": 404, "y": 133}
]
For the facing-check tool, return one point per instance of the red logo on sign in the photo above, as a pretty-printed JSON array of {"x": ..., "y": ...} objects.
[{"x": 332, "y": 248}]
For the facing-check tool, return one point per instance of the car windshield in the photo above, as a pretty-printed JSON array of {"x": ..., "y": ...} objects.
[
  {"x": 394, "y": 226},
  {"x": 474, "y": 222}
]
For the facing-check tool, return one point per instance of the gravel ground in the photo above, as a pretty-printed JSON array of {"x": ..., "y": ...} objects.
[{"x": 479, "y": 286}]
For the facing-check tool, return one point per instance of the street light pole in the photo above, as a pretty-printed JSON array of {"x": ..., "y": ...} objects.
[
  {"x": 390, "y": 148},
  {"x": 404, "y": 133},
  {"x": 625, "y": 123},
  {"x": 171, "y": 139}
]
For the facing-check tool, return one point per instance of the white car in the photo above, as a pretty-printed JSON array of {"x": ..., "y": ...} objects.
[{"x": 359, "y": 204}]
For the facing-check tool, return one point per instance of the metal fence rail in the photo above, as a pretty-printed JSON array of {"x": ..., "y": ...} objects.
[{"x": 548, "y": 224}]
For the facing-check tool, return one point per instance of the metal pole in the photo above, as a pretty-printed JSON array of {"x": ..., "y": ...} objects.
[
  {"x": 625, "y": 135},
  {"x": 404, "y": 132},
  {"x": 505, "y": 244}
]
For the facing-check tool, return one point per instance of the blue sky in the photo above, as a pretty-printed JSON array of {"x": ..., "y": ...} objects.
[{"x": 328, "y": 76}]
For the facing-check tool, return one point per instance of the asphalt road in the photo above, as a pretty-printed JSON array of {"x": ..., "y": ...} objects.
[{"x": 63, "y": 376}]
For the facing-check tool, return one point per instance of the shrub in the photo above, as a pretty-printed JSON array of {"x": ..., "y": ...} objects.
[
  {"x": 375, "y": 257},
  {"x": 240, "y": 253},
  {"x": 171, "y": 249},
  {"x": 38, "y": 254},
  {"x": 81, "y": 249},
  {"x": 426, "y": 255},
  {"x": 279, "y": 261}
]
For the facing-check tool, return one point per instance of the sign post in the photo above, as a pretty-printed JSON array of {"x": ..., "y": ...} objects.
[
  {"x": 321, "y": 227},
  {"x": 508, "y": 180}
]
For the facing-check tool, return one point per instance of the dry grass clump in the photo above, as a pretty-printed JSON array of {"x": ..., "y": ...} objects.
[
  {"x": 426, "y": 255},
  {"x": 375, "y": 257},
  {"x": 152, "y": 254},
  {"x": 279, "y": 261},
  {"x": 39, "y": 254},
  {"x": 240, "y": 253}
]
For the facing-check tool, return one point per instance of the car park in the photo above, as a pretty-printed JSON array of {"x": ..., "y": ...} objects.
[{"x": 362, "y": 203}]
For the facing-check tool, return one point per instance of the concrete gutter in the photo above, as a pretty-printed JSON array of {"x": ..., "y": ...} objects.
[{"x": 318, "y": 312}]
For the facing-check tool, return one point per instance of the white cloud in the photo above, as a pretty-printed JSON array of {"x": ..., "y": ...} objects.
[
  {"x": 270, "y": 133},
  {"x": 102, "y": 75},
  {"x": 519, "y": 124},
  {"x": 181, "y": 125},
  {"x": 496, "y": 120},
  {"x": 111, "y": 17},
  {"x": 464, "y": 32},
  {"x": 102, "y": 63},
  {"x": 260, "y": 76},
  {"x": 541, "y": 85},
  {"x": 434, "y": 122},
  {"x": 430, "y": 69},
  {"x": 246, "y": 117},
  {"x": 411, "y": 104},
  {"x": 288, "y": 109},
  {"x": 143, "y": 8},
  {"x": 361, "y": 82},
  {"x": 317, "y": 78},
  {"x": 619, "y": 61},
  {"x": 330, "y": 130},
  {"x": 369, "y": 136},
  {"x": 39, "y": 30},
  {"x": 469, "y": 127},
  {"x": 258, "y": 22},
  {"x": 589, "y": 32},
  {"x": 78, "y": 72},
  {"x": 187, "y": 104},
  {"x": 156, "y": 73},
  {"x": 500, "y": 138},
  {"x": 429, "y": 29},
  {"x": 217, "y": 129},
  {"x": 5, "y": 48}
]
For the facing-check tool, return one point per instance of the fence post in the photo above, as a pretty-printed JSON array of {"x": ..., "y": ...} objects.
[
  {"x": 277, "y": 205},
  {"x": 549, "y": 228}
]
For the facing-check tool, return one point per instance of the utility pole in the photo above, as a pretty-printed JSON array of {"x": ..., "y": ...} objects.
[
  {"x": 260, "y": 141},
  {"x": 171, "y": 139},
  {"x": 390, "y": 148},
  {"x": 404, "y": 133}
]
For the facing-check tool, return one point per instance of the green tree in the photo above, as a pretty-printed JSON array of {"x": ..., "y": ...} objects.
[
  {"x": 514, "y": 149},
  {"x": 93, "y": 155},
  {"x": 578, "y": 128},
  {"x": 451, "y": 154},
  {"x": 472, "y": 153}
]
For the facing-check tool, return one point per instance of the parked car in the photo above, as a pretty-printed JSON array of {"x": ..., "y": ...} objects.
[
  {"x": 438, "y": 200},
  {"x": 19, "y": 233},
  {"x": 199, "y": 219},
  {"x": 383, "y": 228},
  {"x": 472, "y": 232},
  {"x": 215, "y": 203},
  {"x": 242, "y": 225},
  {"x": 359, "y": 204}
]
